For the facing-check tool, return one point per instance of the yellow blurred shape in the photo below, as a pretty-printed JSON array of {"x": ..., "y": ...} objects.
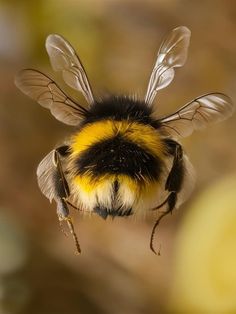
[{"x": 205, "y": 265}]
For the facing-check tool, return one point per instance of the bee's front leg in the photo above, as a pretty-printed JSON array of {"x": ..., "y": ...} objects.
[{"x": 62, "y": 192}]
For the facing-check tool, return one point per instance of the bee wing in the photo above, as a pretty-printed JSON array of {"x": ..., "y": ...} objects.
[
  {"x": 45, "y": 174},
  {"x": 197, "y": 114},
  {"x": 46, "y": 92},
  {"x": 51, "y": 178},
  {"x": 172, "y": 53},
  {"x": 64, "y": 58}
]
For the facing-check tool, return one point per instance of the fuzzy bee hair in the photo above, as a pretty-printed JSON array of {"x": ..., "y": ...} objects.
[{"x": 121, "y": 160}]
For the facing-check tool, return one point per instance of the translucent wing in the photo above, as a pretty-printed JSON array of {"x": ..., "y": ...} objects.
[
  {"x": 45, "y": 91},
  {"x": 45, "y": 174},
  {"x": 51, "y": 178},
  {"x": 64, "y": 58},
  {"x": 197, "y": 114},
  {"x": 172, "y": 53}
]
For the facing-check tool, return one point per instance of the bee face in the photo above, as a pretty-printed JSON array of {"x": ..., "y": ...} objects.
[{"x": 120, "y": 161}]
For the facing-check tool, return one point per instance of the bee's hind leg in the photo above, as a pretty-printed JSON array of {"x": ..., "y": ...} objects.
[
  {"x": 63, "y": 215},
  {"x": 62, "y": 192},
  {"x": 173, "y": 184}
]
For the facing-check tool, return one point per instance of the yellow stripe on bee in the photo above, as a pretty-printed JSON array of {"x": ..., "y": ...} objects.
[
  {"x": 129, "y": 182},
  {"x": 89, "y": 184},
  {"x": 143, "y": 135},
  {"x": 92, "y": 192}
]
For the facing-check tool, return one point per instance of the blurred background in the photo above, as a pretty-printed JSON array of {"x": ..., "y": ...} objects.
[{"x": 117, "y": 41}]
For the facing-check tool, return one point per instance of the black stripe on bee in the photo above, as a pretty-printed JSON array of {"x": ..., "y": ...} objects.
[
  {"x": 116, "y": 186},
  {"x": 105, "y": 212},
  {"x": 121, "y": 108},
  {"x": 117, "y": 155}
]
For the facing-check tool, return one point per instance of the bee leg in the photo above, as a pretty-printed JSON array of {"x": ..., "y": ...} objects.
[
  {"x": 173, "y": 184},
  {"x": 72, "y": 205},
  {"x": 63, "y": 215},
  {"x": 171, "y": 201},
  {"x": 61, "y": 193},
  {"x": 77, "y": 208},
  {"x": 175, "y": 178}
]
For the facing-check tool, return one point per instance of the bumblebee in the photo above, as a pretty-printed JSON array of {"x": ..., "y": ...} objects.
[{"x": 122, "y": 159}]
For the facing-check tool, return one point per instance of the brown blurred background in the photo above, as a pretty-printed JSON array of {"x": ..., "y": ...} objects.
[{"x": 117, "y": 41}]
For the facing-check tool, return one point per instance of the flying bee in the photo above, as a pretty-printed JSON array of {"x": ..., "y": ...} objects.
[{"x": 121, "y": 159}]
